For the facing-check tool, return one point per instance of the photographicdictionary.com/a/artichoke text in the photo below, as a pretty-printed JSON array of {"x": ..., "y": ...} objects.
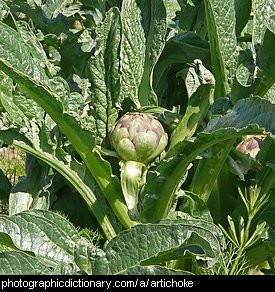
[{"x": 32, "y": 284}]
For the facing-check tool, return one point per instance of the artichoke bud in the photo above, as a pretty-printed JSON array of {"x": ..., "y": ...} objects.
[
  {"x": 138, "y": 137},
  {"x": 251, "y": 145}
]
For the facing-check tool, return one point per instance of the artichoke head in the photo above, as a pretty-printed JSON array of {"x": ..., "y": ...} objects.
[{"x": 138, "y": 137}]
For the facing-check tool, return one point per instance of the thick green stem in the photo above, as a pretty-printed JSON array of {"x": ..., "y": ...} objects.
[
  {"x": 131, "y": 182},
  {"x": 84, "y": 190}
]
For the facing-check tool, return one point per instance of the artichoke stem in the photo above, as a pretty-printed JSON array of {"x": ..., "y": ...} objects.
[{"x": 131, "y": 183}]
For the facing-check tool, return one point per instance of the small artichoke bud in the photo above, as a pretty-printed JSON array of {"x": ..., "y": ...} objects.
[
  {"x": 138, "y": 137},
  {"x": 251, "y": 145}
]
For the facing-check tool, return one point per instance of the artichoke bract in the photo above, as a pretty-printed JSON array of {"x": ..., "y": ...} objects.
[{"x": 138, "y": 137}]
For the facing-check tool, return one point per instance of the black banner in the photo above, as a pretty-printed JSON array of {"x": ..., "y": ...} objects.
[{"x": 44, "y": 283}]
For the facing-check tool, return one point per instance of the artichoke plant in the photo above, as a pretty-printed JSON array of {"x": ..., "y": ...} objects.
[{"x": 138, "y": 138}]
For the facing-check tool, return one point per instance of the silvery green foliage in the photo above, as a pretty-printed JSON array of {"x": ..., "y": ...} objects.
[{"x": 61, "y": 92}]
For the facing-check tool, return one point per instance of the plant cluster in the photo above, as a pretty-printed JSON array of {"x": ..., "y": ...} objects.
[{"x": 149, "y": 125}]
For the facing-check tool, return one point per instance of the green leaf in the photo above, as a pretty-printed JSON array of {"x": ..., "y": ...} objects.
[
  {"x": 18, "y": 263},
  {"x": 220, "y": 16},
  {"x": 183, "y": 48},
  {"x": 270, "y": 94},
  {"x": 34, "y": 45},
  {"x": 255, "y": 75},
  {"x": 263, "y": 13},
  {"x": 30, "y": 231},
  {"x": 195, "y": 206},
  {"x": 4, "y": 9},
  {"x": 31, "y": 192},
  {"x": 262, "y": 251},
  {"x": 200, "y": 85},
  {"x": 54, "y": 7},
  {"x": 192, "y": 17},
  {"x": 266, "y": 59},
  {"x": 6, "y": 95},
  {"x": 242, "y": 12},
  {"x": 155, "y": 15},
  {"x": 254, "y": 110},
  {"x": 38, "y": 13},
  {"x": 220, "y": 202},
  {"x": 103, "y": 72},
  {"x": 148, "y": 244},
  {"x": 172, "y": 7},
  {"x": 133, "y": 47},
  {"x": 143, "y": 38},
  {"x": 43, "y": 242},
  {"x": 208, "y": 170}
]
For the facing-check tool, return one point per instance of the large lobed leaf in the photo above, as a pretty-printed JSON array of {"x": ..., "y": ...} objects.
[
  {"x": 43, "y": 242},
  {"x": 150, "y": 244}
]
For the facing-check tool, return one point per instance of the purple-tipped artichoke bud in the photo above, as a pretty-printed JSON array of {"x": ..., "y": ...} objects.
[
  {"x": 138, "y": 137},
  {"x": 251, "y": 145}
]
